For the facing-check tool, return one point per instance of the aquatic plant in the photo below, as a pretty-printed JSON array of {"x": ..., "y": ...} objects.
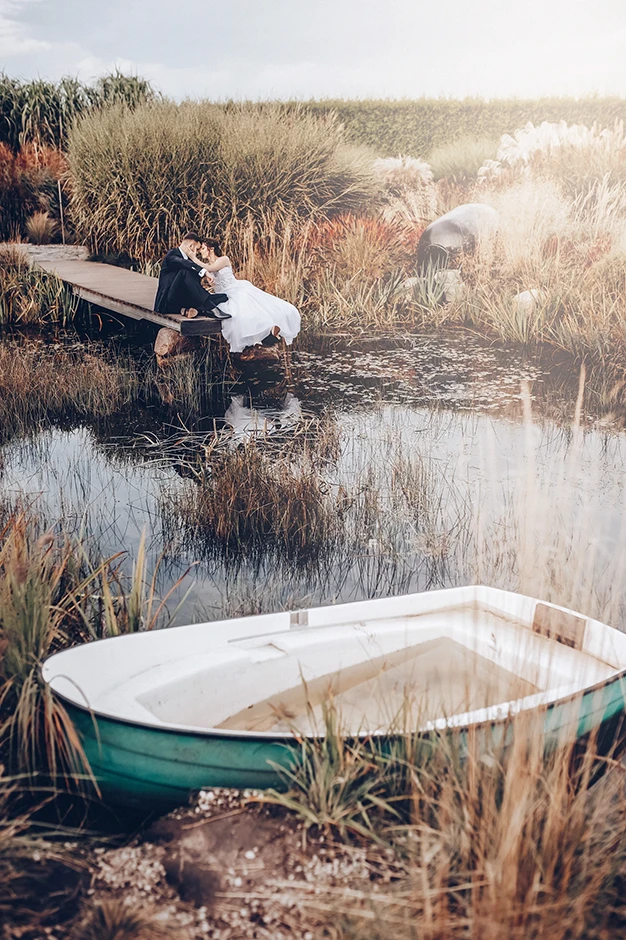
[
  {"x": 29, "y": 296},
  {"x": 40, "y": 383},
  {"x": 247, "y": 500}
]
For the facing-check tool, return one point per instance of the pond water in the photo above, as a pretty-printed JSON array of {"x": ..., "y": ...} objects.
[{"x": 445, "y": 480}]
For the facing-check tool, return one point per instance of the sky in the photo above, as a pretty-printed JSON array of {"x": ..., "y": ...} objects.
[{"x": 258, "y": 49}]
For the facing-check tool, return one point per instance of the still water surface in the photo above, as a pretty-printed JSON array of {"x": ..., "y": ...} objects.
[{"x": 450, "y": 409}]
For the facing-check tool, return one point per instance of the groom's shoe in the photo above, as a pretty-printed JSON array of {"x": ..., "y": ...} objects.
[{"x": 215, "y": 313}]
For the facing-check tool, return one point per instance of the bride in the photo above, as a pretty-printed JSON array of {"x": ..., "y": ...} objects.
[{"x": 256, "y": 315}]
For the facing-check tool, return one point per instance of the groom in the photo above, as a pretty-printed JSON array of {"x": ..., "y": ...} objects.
[{"x": 180, "y": 290}]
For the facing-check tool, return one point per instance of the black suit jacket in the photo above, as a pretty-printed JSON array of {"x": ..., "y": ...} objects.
[{"x": 172, "y": 264}]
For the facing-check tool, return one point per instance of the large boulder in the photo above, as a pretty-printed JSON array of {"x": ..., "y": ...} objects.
[
  {"x": 169, "y": 344},
  {"x": 458, "y": 232}
]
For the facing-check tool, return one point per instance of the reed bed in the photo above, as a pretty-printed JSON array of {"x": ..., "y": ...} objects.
[
  {"x": 142, "y": 178},
  {"x": 40, "y": 383},
  {"x": 257, "y": 499},
  {"x": 43, "y": 382}
]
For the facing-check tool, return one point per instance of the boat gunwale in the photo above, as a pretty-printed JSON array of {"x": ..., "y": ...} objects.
[
  {"x": 438, "y": 724},
  {"x": 282, "y": 736}
]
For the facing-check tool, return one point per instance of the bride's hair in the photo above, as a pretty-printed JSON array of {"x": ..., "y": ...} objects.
[{"x": 214, "y": 244}]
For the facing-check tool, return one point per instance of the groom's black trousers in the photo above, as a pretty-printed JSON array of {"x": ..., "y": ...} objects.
[
  {"x": 179, "y": 286},
  {"x": 187, "y": 291}
]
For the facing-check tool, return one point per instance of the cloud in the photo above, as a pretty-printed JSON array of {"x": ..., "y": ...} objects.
[
  {"x": 15, "y": 38},
  {"x": 279, "y": 50}
]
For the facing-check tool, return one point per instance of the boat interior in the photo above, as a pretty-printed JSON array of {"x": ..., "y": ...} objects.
[{"x": 456, "y": 663}]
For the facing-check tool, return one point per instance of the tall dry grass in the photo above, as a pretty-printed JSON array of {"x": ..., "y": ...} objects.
[
  {"x": 36, "y": 606},
  {"x": 515, "y": 846},
  {"x": 28, "y": 296},
  {"x": 140, "y": 179}
]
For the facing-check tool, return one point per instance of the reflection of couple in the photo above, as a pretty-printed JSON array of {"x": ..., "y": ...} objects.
[
  {"x": 247, "y": 421},
  {"x": 249, "y": 314}
]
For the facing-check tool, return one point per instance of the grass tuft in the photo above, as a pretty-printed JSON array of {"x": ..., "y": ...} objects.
[{"x": 119, "y": 920}]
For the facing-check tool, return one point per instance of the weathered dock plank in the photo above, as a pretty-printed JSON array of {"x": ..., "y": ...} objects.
[{"x": 125, "y": 292}]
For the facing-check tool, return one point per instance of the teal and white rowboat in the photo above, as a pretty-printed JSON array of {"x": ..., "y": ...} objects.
[{"x": 167, "y": 712}]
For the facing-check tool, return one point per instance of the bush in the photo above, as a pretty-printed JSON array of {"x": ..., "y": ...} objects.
[
  {"x": 28, "y": 185},
  {"x": 461, "y": 160},
  {"x": 142, "y": 178}
]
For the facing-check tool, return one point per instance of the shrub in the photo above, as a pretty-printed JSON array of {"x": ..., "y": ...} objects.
[
  {"x": 141, "y": 178},
  {"x": 28, "y": 185},
  {"x": 461, "y": 160},
  {"x": 40, "y": 228}
]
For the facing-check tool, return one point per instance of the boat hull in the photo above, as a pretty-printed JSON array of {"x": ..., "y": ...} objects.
[{"x": 152, "y": 768}]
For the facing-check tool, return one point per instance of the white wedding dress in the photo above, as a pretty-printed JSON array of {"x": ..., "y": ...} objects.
[{"x": 253, "y": 312}]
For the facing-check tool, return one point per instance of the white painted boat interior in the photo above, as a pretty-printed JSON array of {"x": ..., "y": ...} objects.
[{"x": 444, "y": 657}]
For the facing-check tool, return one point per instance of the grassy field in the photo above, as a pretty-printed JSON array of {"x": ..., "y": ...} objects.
[{"x": 418, "y": 127}]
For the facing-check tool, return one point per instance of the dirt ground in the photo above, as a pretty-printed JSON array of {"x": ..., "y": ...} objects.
[{"x": 226, "y": 867}]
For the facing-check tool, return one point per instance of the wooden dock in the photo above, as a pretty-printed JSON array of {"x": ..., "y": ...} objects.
[{"x": 125, "y": 292}]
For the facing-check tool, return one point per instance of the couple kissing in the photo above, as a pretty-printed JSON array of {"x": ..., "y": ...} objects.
[{"x": 248, "y": 314}]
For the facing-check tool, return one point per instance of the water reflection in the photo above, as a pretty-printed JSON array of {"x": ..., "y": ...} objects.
[
  {"x": 248, "y": 420},
  {"x": 432, "y": 450}
]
